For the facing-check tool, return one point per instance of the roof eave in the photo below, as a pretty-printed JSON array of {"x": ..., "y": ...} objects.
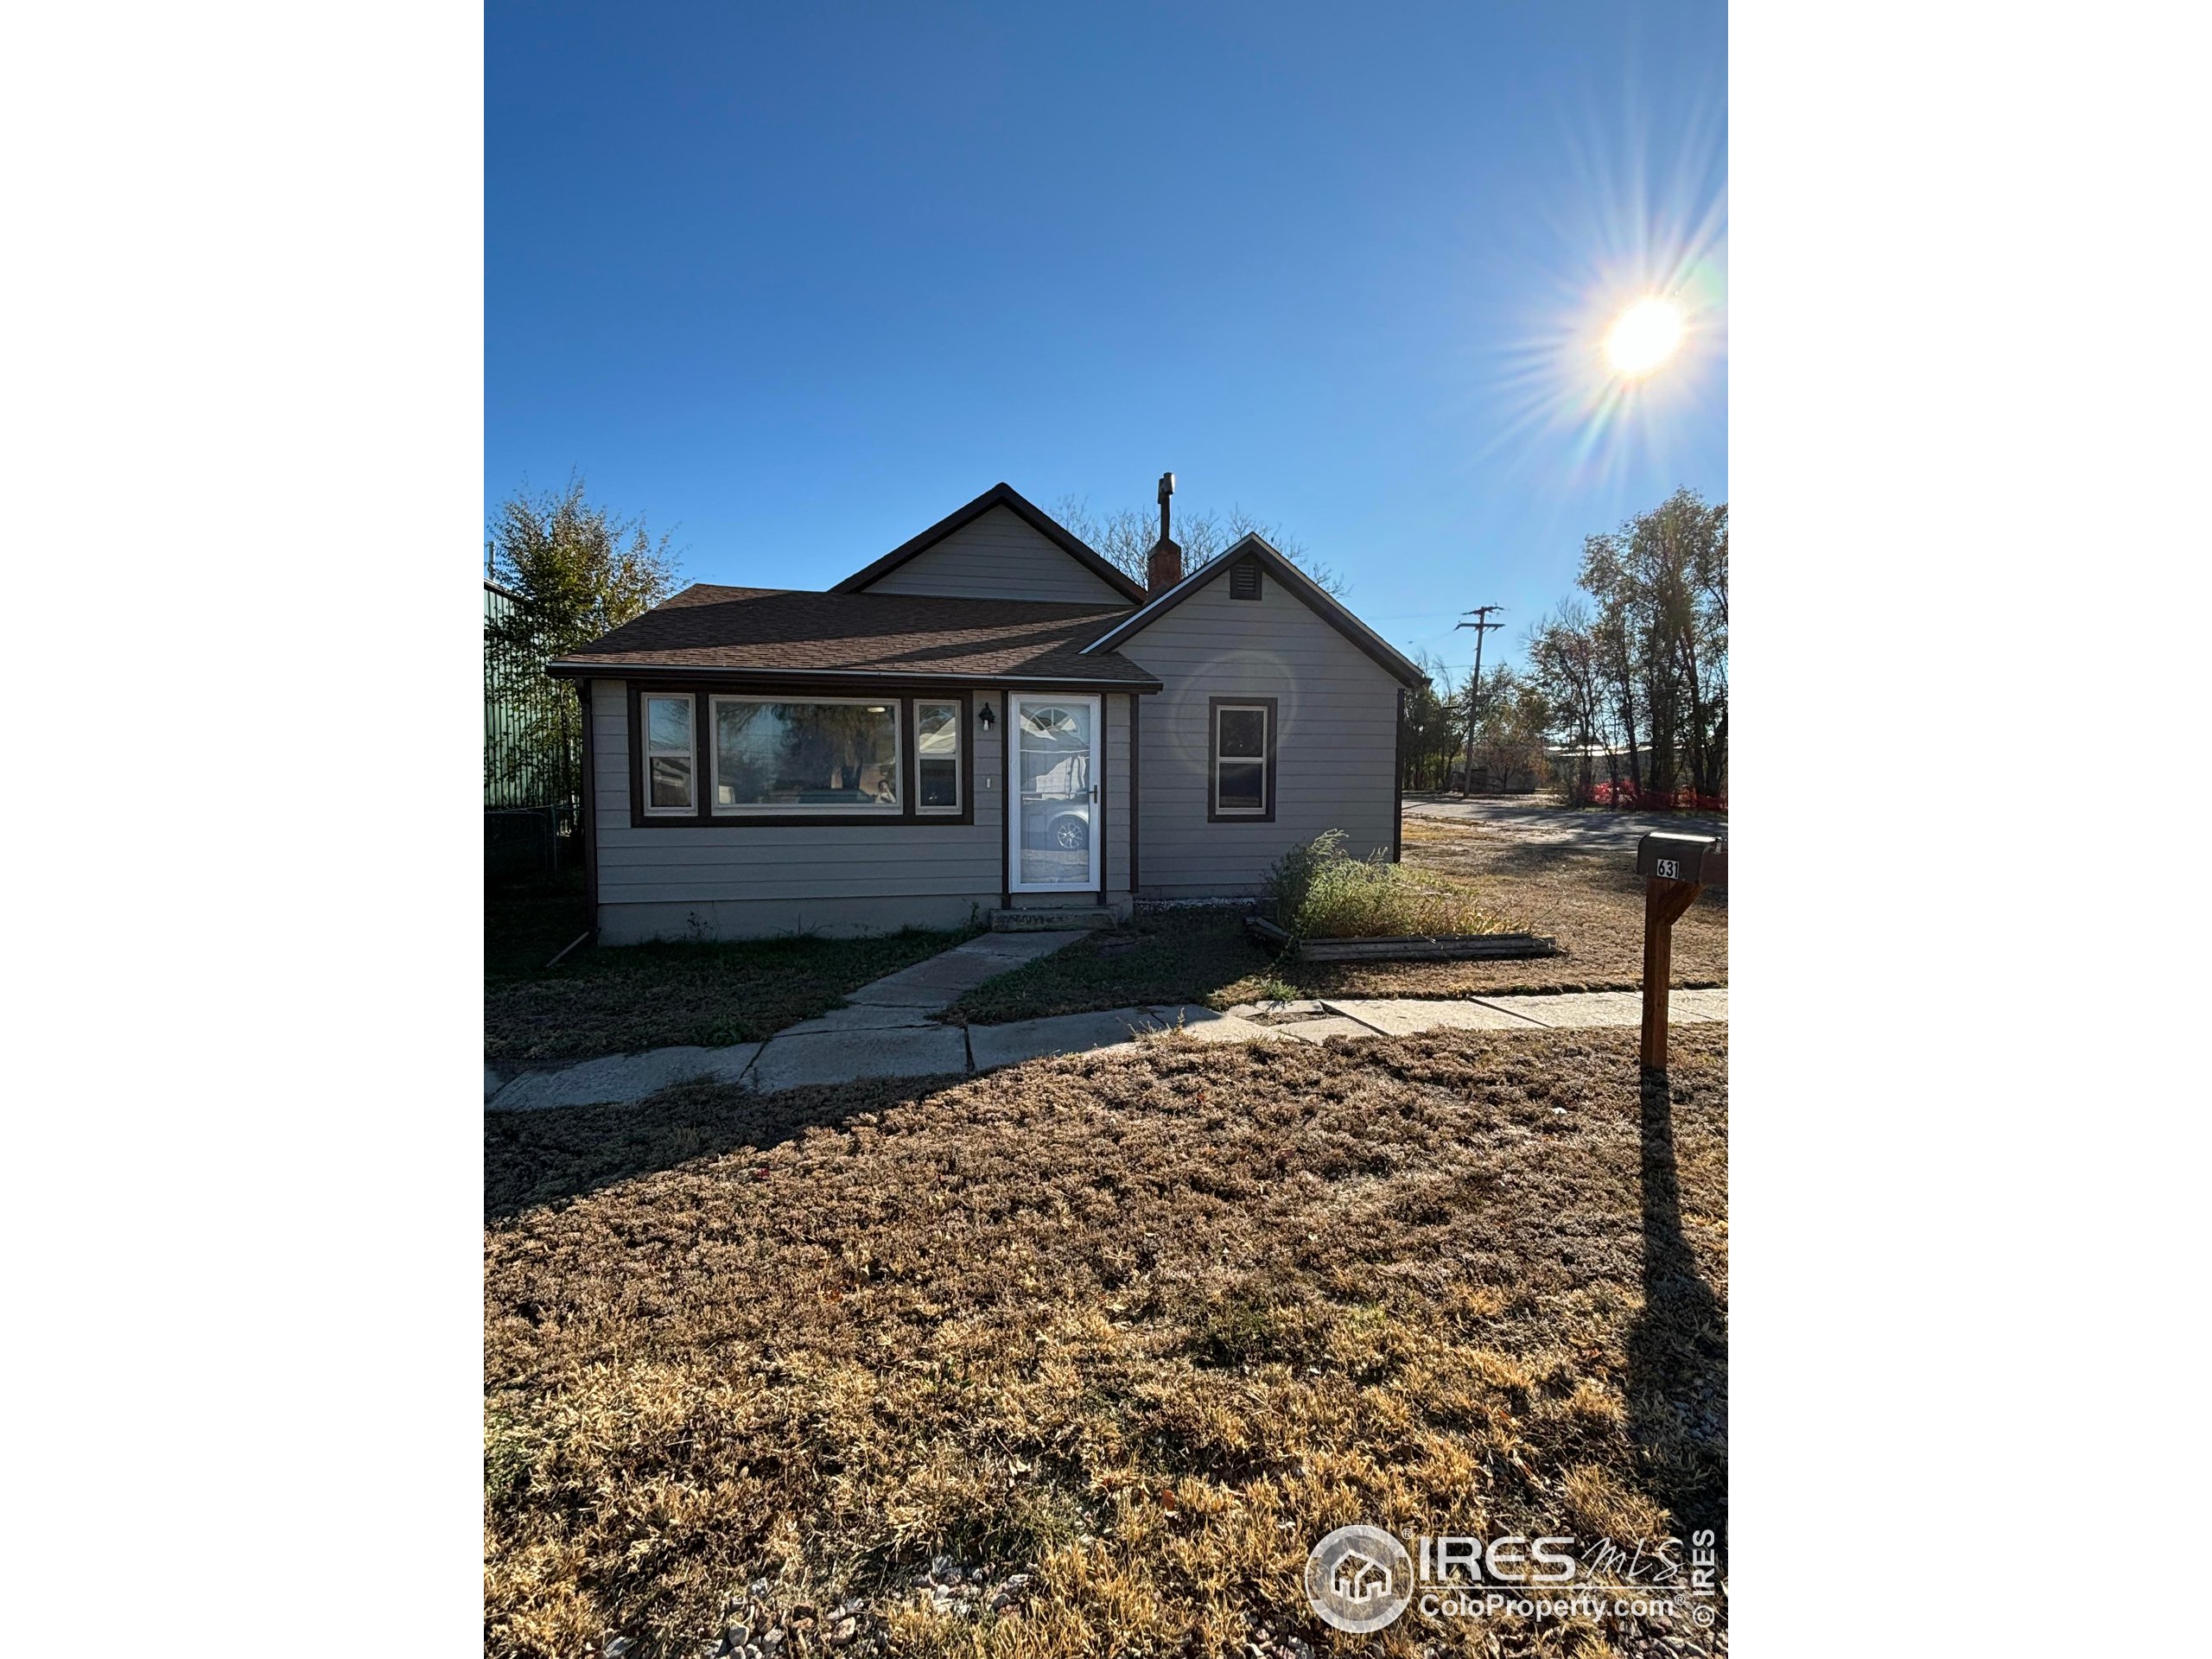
[{"x": 573, "y": 668}]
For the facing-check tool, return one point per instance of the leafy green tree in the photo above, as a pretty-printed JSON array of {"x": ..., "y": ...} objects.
[{"x": 576, "y": 570}]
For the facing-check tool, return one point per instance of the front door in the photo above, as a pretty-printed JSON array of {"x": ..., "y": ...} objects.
[{"x": 1054, "y": 829}]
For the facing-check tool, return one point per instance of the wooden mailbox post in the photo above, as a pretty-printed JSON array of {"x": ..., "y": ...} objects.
[{"x": 1675, "y": 869}]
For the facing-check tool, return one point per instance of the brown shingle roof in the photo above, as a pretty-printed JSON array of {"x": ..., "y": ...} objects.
[{"x": 756, "y": 630}]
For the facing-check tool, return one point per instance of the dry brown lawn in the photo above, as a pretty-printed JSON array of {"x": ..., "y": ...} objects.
[
  {"x": 1143, "y": 1329},
  {"x": 1593, "y": 905}
]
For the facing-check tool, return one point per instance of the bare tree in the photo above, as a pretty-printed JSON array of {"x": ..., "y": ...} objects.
[
  {"x": 1614, "y": 635},
  {"x": 1564, "y": 662},
  {"x": 1433, "y": 725},
  {"x": 1125, "y": 537}
]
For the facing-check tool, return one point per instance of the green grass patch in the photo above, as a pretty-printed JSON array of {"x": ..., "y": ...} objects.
[{"x": 617, "y": 1000}]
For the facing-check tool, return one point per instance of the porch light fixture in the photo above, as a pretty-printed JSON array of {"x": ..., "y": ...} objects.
[{"x": 985, "y": 718}]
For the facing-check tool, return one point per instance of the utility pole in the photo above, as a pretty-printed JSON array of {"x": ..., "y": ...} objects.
[{"x": 1482, "y": 624}]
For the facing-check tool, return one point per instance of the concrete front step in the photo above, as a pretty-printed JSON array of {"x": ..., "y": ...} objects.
[{"x": 1047, "y": 921}]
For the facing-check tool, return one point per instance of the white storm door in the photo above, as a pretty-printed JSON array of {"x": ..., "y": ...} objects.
[{"x": 1054, "y": 829}]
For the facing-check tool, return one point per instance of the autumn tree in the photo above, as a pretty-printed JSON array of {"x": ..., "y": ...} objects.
[{"x": 1511, "y": 727}]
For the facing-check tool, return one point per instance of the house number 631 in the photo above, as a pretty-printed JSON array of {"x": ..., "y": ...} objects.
[{"x": 1668, "y": 869}]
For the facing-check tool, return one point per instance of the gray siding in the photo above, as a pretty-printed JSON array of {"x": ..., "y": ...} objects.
[
  {"x": 1336, "y": 739},
  {"x": 744, "y": 882},
  {"x": 1116, "y": 868},
  {"x": 997, "y": 556}
]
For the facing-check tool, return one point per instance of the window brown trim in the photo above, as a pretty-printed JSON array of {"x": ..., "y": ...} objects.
[
  {"x": 639, "y": 818},
  {"x": 705, "y": 816},
  {"x": 964, "y": 755},
  {"x": 1214, "y": 706}
]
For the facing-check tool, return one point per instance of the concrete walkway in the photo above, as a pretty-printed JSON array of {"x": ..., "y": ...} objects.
[{"x": 886, "y": 1032}]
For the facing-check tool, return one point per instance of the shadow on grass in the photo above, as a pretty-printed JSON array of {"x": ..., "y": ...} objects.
[
  {"x": 532, "y": 1160},
  {"x": 1170, "y": 955},
  {"x": 527, "y": 920},
  {"x": 1677, "y": 1349},
  {"x": 620, "y": 1000}
]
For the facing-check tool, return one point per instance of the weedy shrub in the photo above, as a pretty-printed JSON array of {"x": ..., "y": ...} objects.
[{"x": 1318, "y": 891}]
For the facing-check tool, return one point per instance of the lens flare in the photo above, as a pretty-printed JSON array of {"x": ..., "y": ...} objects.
[{"x": 1645, "y": 337}]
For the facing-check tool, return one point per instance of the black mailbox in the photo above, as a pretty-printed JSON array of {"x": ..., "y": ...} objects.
[{"x": 1700, "y": 859}]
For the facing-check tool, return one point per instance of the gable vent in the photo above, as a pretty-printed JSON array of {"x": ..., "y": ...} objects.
[{"x": 1244, "y": 578}]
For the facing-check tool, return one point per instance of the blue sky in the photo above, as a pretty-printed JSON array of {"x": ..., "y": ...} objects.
[{"x": 795, "y": 282}]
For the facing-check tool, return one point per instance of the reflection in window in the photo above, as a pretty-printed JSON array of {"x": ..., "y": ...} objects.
[
  {"x": 668, "y": 755},
  {"x": 832, "y": 755},
  {"x": 1240, "y": 766},
  {"x": 937, "y": 757}
]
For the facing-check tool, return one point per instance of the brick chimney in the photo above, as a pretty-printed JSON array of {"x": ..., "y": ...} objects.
[{"x": 1164, "y": 567}]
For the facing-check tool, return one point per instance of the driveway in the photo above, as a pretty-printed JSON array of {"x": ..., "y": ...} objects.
[{"x": 1592, "y": 830}]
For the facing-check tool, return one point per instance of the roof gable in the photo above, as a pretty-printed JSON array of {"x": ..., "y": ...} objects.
[
  {"x": 1294, "y": 581},
  {"x": 999, "y": 496}
]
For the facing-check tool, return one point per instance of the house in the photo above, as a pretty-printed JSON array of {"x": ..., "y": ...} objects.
[{"x": 988, "y": 718}]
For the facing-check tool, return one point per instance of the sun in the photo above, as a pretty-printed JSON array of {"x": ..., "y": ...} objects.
[{"x": 1645, "y": 337}]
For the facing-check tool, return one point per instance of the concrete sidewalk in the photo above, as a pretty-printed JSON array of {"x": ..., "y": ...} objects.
[{"x": 886, "y": 1032}]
